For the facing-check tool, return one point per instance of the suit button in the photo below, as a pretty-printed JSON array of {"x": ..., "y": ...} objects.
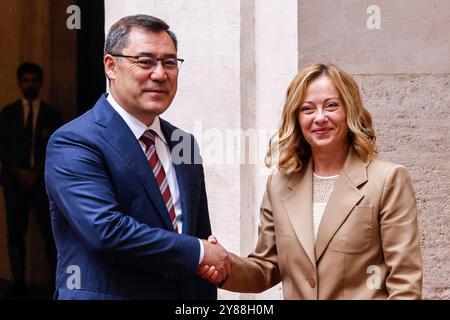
[{"x": 312, "y": 283}]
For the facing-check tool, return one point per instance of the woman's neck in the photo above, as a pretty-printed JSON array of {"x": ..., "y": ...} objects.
[{"x": 329, "y": 163}]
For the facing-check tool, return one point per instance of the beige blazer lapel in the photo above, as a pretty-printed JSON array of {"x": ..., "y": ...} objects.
[
  {"x": 343, "y": 199},
  {"x": 298, "y": 206}
]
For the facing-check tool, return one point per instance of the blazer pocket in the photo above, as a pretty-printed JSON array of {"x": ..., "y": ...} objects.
[{"x": 356, "y": 233}]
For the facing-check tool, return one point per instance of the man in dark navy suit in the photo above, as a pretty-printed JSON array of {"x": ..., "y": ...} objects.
[
  {"x": 126, "y": 188},
  {"x": 25, "y": 127}
]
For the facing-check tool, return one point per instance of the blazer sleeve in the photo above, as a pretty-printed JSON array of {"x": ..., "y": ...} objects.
[
  {"x": 400, "y": 236},
  {"x": 79, "y": 187},
  {"x": 259, "y": 270}
]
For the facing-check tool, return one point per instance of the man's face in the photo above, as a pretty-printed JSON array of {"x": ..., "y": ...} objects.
[
  {"x": 30, "y": 85},
  {"x": 143, "y": 93}
]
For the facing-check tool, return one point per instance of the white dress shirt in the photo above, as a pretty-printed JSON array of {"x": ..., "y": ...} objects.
[{"x": 162, "y": 150}]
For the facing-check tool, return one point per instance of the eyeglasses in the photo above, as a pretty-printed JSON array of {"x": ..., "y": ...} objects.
[
  {"x": 309, "y": 110},
  {"x": 150, "y": 63}
]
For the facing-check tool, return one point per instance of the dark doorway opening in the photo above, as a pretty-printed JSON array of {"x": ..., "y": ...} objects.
[{"x": 91, "y": 81}]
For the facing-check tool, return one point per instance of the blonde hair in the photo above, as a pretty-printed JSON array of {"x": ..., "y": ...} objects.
[{"x": 288, "y": 148}]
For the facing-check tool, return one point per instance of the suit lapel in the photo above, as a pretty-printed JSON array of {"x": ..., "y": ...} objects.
[
  {"x": 182, "y": 174},
  {"x": 343, "y": 199},
  {"x": 182, "y": 179},
  {"x": 19, "y": 114},
  {"x": 121, "y": 139},
  {"x": 298, "y": 206}
]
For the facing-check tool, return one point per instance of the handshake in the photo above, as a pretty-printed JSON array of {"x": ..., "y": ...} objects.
[{"x": 217, "y": 262}]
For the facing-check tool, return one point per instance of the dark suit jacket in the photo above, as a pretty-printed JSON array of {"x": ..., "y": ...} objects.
[
  {"x": 111, "y": 226},
  {"x": 13, "y": 150}
]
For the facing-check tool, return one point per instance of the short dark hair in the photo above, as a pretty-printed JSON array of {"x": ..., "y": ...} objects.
[
  {"x": 29, "y": 67},
  {"x": 118, "y": 33}
]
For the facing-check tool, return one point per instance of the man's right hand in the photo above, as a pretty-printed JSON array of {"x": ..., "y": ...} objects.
[{"x": 217, "y": 262}]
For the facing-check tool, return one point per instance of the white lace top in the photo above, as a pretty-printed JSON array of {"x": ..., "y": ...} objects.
[{"x": 322, "y": 188}]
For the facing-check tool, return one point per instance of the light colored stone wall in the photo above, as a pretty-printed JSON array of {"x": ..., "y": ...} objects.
[
  {"x": 234, "y": 78},
  {"x": 240, "y": 57},
  {"x": 412, "y": 37},
  {"x": 403, "y": 70},
  {"x": 412, "y": 120},
  {"x": 275, "y": 56},
  {"x": 208, "y": 98}
]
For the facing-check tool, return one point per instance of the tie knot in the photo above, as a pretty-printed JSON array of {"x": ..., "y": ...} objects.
[{"x": 148, "y": 138}]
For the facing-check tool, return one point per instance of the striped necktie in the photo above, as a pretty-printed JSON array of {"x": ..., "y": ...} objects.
[{"x": 148, "y": 138}]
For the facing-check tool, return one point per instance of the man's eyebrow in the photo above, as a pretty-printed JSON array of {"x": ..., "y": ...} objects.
[{"x": 149, "y": 54}]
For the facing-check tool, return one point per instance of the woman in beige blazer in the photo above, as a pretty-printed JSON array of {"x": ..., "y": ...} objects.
[{"x": 336, "y": 223}]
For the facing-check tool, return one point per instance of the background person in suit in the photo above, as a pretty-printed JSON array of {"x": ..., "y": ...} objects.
[
  {"x": 336, "y": 223},
  {"x": 25, "y": 127},
  {"x": 128, "y": 215}
]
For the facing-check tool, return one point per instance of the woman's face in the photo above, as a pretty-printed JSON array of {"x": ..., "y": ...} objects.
[{"x": 322, "y": 117}]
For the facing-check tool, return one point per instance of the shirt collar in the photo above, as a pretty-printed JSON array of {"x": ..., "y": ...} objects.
[
  {"x": 136, "y": 126},
  {"x": 36, "y": 102}
]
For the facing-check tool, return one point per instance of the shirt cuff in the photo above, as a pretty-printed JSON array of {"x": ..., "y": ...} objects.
[{"x": 202, "y": 252}]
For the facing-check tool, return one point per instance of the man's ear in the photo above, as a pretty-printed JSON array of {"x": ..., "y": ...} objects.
[{"x": 110, "y": 66}]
